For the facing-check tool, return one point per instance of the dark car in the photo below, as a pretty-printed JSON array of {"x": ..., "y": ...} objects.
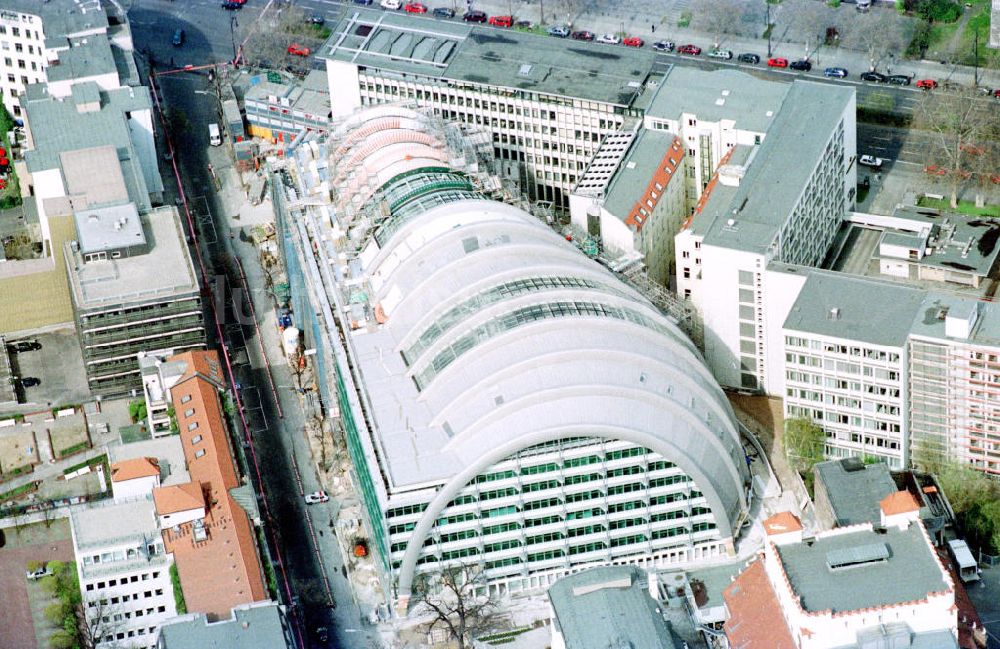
[
  {"x": 874, "y": 76},
  {"x": 30, "y": 382},
  {"x": 583, "y": 35},
  {"x": 24, "y": 346},
  {"x": 753, "y": 59},
  {"x": 899, "y": 79},
  {"x": 178, "y": 38},
  {"x": 363, "y": 2},
  {"x": 231, "y": 6},
  {"x": 802, "y": 66},
  {"x": 444, "y": 12},
  {"x": 316, "y": 19},
  {"x": 475, "y": 16}
]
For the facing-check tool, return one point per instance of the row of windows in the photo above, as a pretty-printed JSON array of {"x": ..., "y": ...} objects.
[{"x": 111, "y": 583}]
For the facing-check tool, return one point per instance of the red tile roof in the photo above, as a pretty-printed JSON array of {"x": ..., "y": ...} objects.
[
  {"x": 222, "y": 570},
  {"x": 178, "y": 498},
  {"x": 899, "y": 502},
  {"x": 139, "y": 467},
  {"x": 664, "y": 173},
  {"x": 755, "y": 620},
  {"x": 781, "y": 523}
]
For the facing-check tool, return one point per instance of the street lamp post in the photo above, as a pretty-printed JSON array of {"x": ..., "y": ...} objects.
[
  {"x": 232, "y": 34},
  {"x": 768, "y": 6}
]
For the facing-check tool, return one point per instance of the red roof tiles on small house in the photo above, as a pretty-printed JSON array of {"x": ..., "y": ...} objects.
[
  {"x": 782, "y": 523},
  {"x": 139, "y": 467}
]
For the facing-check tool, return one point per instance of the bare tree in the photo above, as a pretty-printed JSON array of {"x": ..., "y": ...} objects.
[
  {"x": 718, "y": 17},
  {"x": 961, "y": 125},
  {"x": 268, "y": 39},
  {"x": 457, "y": 600},
  {"x": 878, "y": 34},
  {"x": 807, "y": 21}
]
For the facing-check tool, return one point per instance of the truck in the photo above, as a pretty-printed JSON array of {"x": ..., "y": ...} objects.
[
  {"x": 213, "y": 135},
  {"x": 965, "y": 563}
]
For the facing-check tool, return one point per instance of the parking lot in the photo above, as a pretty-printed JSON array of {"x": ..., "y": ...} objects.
[{"x": 59, "y": 367}]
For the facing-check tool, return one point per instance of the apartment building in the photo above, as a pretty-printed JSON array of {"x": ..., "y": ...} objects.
[
  {"x": 780, "y": 201},
  {"x": 134, "y": 288},
  {"x": 507, "y": 401},
  {"x": 845, "y": 341},
  {"x": 36, "y": 36},
  {"x": 124, "y": 571},
  {"x": 548, "y": 106},
  {"x": 850, "y": 587}
]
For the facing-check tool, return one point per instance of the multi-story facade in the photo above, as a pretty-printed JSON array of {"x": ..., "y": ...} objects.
[
  {"x": 846, "y": 364},
  {"x": 778, "y": 202},
  {"x": 548, "y": 107},
  {"x": 124, "y": 572},
  {"x": 282, "y": 110},
  {"x": 35, "y": 35},
  {"x": 126, "y": 304},
  {"x": 507, "y": 402}
]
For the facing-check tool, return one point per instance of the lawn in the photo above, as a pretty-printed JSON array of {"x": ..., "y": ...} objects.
[
  {"x": 978, "y": 23},
  {"x": 964, "y": 207}
]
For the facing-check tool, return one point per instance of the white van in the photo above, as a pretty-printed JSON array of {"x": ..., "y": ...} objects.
[{"x": 213, "y": 135}]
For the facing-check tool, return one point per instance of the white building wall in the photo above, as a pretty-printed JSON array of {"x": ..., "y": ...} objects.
[
  {"x": 345, "y": 91},
  {"x": 782, "y": 286},
  {"x": 136, "y": 488},
  {"x": 140, "y": 124},
  {"x": 22, "y": 43},
  {"x": 179, "y": 518},
  {"x": 64, "y": 87},
  {"x": 47, "y": 184}
]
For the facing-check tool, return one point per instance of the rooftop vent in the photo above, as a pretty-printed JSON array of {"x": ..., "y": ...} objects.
[
  {"x": 941, "y": 313},
  {"x": 861, "y": 555},
  {"x": 525, "y": 70},
  {"x": 720, "y": 102},
  {"x": 833, "y": 314},
  {"x": 630, "y": 164}
]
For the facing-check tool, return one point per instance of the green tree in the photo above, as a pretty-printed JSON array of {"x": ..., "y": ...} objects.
[
  {"x": 55, "y": 613},
  {"x": 803, "y": 442},
  {"x": 62, "y": 640},
  {"x": 137, "y": 410}
]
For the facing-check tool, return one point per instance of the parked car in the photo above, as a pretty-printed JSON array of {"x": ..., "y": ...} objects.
[
  {"x": 582, "y": 35},
  {"x": 801, "y": 66},
  {"x": 835, "y": 73},
  {"x": 664, "y": 46},
  {"x": 299, "y": 50},
  {"x": 693, "y": 50},
  {"x": 38, "y": 574},
  {"x": 874, "y": 76},
  {"x": 30, "y": 382},
  {"x": 231, "y": 5},
  {"x": 927, "y": 84},
  {"x": 633, "y": 41},
  {"x": 316, "y": 497},
  {"x": 721, "y": 54},
  {"x": 415, "y": 8},
  {"x": 444, "y": 12},
  {"x": 475, "y": 16},
  {"x": 870, "y": 161},
  {"x": 24, "y": 346},
  {"x": 523, "y": 24},
  {"x": 609, "y": 39},
  {"x": 391, "y": 4},
  {"x": 502, "y": 21},
  {"x": 899, "y": 79},
  {"x": 316, "y": 19},
  {"x": 753, "y": 59},
  {"x": 777, "y": 63},
  {"x": 178, "y": 38},
  {"x": 558, "y": 31},
  {"x": 367, "y": 3}
]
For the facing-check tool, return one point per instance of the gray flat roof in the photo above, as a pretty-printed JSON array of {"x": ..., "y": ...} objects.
[
  {"x": 86, "y": 57},
  {"x": 608, "y": 607},
  {"x": 165, "y": 270},
  {"x": 61, "y": 18},
  {"x": 311, "y": 95},
  {"x": 750, "y": 102},
  {"x": 102, "y": 188},
  {"x": 959, "y": 242},
  {"x": 927, "y": 323},
  {"x": 777, "y": 174},
  {"x": 261, "y": 625},
  {"x": 908, "y": 572},
  {"x": 115, "y": 523},
  {"x": 637, "y": 167},
  {"x": 855, "y": 489},
  {"x": 868, "y": 310},
  {"x": 457, "y": 51},
  {"x": 715, "y": 580}
]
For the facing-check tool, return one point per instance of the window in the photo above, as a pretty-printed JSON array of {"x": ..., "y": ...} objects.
[
  {"x": 196, "y": 439},
  {"x": 185, "y": 398},
  {"x": 189, "y": 412},
  {"x": 200, "y": 453},
  {"x": 193, "y": 425}
]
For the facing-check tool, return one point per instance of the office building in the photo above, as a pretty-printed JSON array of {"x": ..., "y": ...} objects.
[
  {"x": 134, "y": 288},
  {"x": 507, "y": 401},
  {"x": 607, "y": 607},
  {"x": 547, "y": 103},
  {"x": 780, "y": 201},
  {"x": 124, "y": 571},
  {"x": 280, "y": 109},
  {"x": 263, "y": 625},
  {"x": 846, "y": 588}
]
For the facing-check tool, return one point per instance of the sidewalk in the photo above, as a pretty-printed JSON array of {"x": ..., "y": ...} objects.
[{"x": 641, "y": 23}]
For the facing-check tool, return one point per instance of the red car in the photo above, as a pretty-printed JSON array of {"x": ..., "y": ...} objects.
[
  {"x": 689, "y": 49},
  {"x": 928, "y": 84},
  {"x": 502, "y": 21},
  {"x": 777, "y": 63},
  {"x": 633, "y": 41},
  {"x": 298, "y": 50},
  {"x": 415, "y": 8}
]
